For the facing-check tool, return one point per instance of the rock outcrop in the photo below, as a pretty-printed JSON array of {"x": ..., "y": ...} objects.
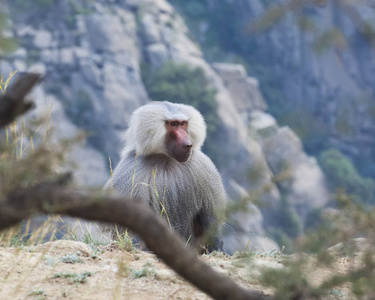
[{"x": 321, "y": 59}]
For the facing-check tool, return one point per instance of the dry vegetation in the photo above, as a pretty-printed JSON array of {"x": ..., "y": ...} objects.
[{"x": 75, "y": 270}]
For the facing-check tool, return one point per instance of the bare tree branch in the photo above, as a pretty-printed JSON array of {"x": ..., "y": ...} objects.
[
  {"x": 13, "y": 103},
  {"x": 53, "y": 197}
]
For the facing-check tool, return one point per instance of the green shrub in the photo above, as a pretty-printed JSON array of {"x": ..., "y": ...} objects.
[
  {"x": 341, "y": 173},
  {"x": 7, "y": 45},
  {"x": 284, "y": 225},
  {"x": 282, "y": 239},
  {"x": 313, "y": 219},
  {"x": 287, "y": 219}
]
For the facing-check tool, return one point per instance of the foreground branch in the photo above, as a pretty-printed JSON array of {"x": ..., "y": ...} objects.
[
  {"x": 13, "y": 103},
  {"x": 54, "y": 198}
]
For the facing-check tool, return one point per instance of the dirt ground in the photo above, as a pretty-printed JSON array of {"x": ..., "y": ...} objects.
[{"x": 73, "y": 270}]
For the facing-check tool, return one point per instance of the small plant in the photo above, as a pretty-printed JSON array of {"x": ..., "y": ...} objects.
[
  {"x": 338, "y": 293},
  {"x": 96, "y": 251},
  {"x": 50, "y": 260},
  {"x": 123, "y": 240},
  {"x": 147, "y": 269},
  {"x": 36, "y": 293},
  {"x": 87, "y": 237},
  {"x": 218, "y": 254},
  {"x": 4, "y": 84},
  {"x": 39, "y": 293},
  {"x": 77, "y": 277},
  {"x": 244, "y": 254},
  {"x": 89, "y": 240},
  {"x": 72, "y": 258}
]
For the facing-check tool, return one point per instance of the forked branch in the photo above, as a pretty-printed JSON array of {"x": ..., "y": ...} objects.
[{"x": 55, "y": 198}]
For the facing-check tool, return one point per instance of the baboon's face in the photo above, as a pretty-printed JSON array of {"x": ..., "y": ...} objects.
[{"x": 178, "y": 143}]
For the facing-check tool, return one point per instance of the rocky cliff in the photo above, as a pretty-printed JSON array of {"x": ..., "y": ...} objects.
[
  {"x": 316, "y": 61},
  {"x": 90, "y": 55}
]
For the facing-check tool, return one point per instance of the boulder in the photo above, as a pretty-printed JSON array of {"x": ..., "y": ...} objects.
[
  {"x": 106, "y": 33},
  {"x": 42, "y": 39},
  {"x": 298, "y": 173},
  {"x": 243, "y": 89},
  {"x": 91, "y": 72},
  {"x": 150, "y": 30},
  {"x": 67, "y": 56},
  {"x": 157, "y": 54}
]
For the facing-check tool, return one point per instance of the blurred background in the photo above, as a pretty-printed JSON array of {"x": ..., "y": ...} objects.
[{"x": 286, "y": 88}]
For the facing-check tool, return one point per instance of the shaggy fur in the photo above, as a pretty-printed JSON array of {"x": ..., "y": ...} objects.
[{"x": 190, "y": 195}]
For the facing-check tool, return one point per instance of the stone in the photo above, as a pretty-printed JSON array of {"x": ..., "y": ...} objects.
[
  {"x": 50, "y": 56},
  {"x": 20, "y": 53},
  {"x": 42, "y": 39},
  {"x": 300, "y": 173},
  {"x": 91, "y": 72},
  {"x": 132, "y": 4},
  {"x": 179, "y": 43},
  {"x": 19, "y": 65},
  {"x": 228, "y": 71},
  {"x": 165, "y": 275},
  {"x": 125, "y": 59},
  {"x": 106, "y": 33},
  {"x": 157, "y": 54},
  {"x": 123, "y": 91},
  {"x": 39, "y": 68},
  {"x": 67, "y": 56},
  {"x": 163, "y": 6},
  {"x": 23, "y": 31},
  {"x": 262, "y": 123},
  {"x": 81, "y": 24},
  {"x": 244, "y": 90},
  {"x": 5, "y": 68},
  {"x": 81, "y": 53},
  {"x": 150, "y": 30}
]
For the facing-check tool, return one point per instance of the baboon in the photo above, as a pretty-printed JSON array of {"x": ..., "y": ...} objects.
[{"x": 162, "y": 164}]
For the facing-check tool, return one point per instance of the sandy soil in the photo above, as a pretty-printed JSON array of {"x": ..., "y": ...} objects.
[{"x": 74, "y": 270}]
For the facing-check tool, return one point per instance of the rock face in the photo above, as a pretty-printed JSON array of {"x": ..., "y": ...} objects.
[
  {"x": 243, "y": 89},
  {"x": 321, "y": 59},
  {"x": 91, "y": 62},
  {"x": 300, "y": 175}
]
